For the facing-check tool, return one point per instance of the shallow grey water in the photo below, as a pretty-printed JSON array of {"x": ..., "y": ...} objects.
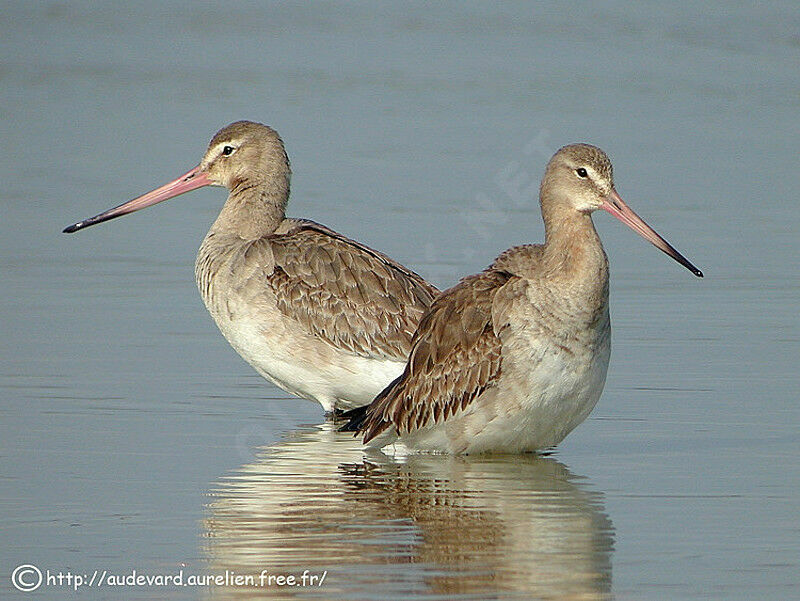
[{"x": 132, "y": 437}]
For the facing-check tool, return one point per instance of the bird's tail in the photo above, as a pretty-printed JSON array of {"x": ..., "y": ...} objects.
[{"x": 355, "y": 419}]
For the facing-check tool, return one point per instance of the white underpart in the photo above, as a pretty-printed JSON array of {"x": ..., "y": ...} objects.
[{"x": 300, "y": 363}]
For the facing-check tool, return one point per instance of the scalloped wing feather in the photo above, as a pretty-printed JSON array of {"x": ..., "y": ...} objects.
[
  {"x": 456, "y": 355},
  {"x": 348, "y": 294}
]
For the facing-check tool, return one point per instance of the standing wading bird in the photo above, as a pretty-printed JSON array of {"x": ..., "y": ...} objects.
[
  {"x": 513, "y": 358},
  {"x": 321, "y": 316}
]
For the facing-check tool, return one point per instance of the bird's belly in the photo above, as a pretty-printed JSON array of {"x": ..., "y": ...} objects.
[
  {"x": 303, "y": 364},
  {"x": 547, "y": 402}
]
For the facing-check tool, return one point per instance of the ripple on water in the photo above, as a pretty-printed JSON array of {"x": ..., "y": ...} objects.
[{"x": 410, "y": 527}]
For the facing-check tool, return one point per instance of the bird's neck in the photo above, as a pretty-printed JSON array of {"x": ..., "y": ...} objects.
[
  {"x": 573, "y": 256},
  {"x": 253, "y": 209}
]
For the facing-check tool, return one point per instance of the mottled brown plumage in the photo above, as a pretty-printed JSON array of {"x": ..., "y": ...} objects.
[
  {"x": 513, "y": 358},
  {"x": 318, "y": 314},
  {"x": 355, "y": 298},
  {"x": 456, "y": 356}
]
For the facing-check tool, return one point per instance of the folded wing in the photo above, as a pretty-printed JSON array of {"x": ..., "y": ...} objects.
[
  {"x": 455, "y": 356},
  {"x": 348, "y": 294}
]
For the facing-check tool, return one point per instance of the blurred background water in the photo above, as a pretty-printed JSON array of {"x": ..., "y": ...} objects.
[{"x": 133, "y": 437}]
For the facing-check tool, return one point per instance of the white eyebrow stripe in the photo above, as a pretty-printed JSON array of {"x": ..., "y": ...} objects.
[
  {"x": 217, "y": 150},
  {"x": 592, "y": 172}
]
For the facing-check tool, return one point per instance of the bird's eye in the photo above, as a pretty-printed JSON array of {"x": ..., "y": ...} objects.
[
  {"x": 227, "y": 151},
  {"x": 581, "y": 172}
]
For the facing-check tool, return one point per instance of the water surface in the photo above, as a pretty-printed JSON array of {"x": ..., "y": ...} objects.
[{"x": 133, "y": 437}]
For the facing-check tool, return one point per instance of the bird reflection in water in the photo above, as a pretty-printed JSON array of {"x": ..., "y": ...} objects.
[{"x": 409, "y": 527}]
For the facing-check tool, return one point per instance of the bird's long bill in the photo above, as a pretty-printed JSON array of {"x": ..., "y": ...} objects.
[
  {"x": 191, "y": 180},
  {"x": 615, "y": 205}
]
